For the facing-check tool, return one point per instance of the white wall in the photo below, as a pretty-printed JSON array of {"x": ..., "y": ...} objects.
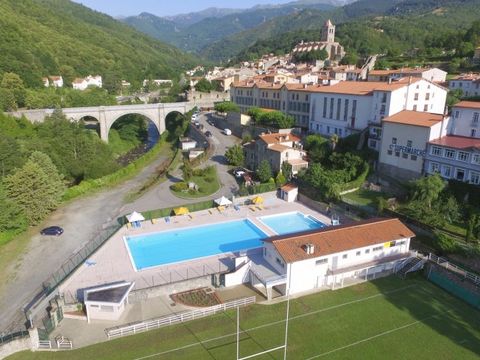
[
  {"x": 238, "y": 277},
  {"x": 463, "y": 122}
]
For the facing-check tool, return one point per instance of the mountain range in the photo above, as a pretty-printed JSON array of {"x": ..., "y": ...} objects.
[
  {"x": 194, "y": 31},
  {"x": 60, "y": 37}
]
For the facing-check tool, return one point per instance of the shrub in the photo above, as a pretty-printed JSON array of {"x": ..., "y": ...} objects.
[
  {"x": 445, "y": 243},
  {"x": 180, "y": 186}
]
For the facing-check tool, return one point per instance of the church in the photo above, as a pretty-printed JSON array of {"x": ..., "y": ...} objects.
[{"x": 335, "y": 51}]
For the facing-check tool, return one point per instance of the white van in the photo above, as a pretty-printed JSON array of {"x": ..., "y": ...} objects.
[{"x": 227, "y": 132}]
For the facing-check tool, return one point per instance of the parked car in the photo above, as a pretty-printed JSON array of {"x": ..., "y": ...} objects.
[
  {"x": 208, "y": 133},
  {"x": 52, "y": 230},
  {"x": 196, "y": 123},
  {"x": 227, "y": 132}
]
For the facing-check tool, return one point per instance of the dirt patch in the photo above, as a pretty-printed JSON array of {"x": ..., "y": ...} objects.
[{"x": 202, "y": 297}]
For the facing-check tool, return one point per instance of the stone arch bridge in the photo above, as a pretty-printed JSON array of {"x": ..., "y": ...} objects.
[{"x": 107, "y": 115}]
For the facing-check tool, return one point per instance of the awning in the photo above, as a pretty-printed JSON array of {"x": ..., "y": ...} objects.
[
  {"x": 181, "y": 211},
  {"x": 135, "y": 216},
  {"x": 223, "y": 201}
]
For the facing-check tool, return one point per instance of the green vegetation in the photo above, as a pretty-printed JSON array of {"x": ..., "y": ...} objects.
[
  {"x": 235, "y": 155},
  {"x": 59, "y": 37},
  {"x": 311, "y": 56},
  {"x": 276, "y": 119},
  {"x": 226, "y": 106},
  {"x": 366, "y": 319},
  {"x": 205, "y": 86},
  {"x": 264, "y": 171},
  {"x": 205, "y": 179}
]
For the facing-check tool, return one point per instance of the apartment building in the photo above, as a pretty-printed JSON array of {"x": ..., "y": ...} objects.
[
  {"x": 431, "y": 74},
  {"x": 468, "y": 83}
]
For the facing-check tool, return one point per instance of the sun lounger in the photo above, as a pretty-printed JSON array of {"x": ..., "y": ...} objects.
[
  {"x": 190, "y": 216},
  {"x": 259, "y": 207},
  {"x": 252, "y": 208},
  {"x": 154, "y": 221},
  {"x": 167, "y": 219},
  {"x": 220, "y": 208},
  {"x": 129, "y": 225},
  {"x": 236, "y": 207},
  {"x": 210, "y": 211}
]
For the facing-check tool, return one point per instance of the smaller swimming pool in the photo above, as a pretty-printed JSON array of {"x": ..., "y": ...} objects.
[{"x": 292, "y": 222}]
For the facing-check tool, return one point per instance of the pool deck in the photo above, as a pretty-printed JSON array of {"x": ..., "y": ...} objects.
[{"x": 111, "y": 263}]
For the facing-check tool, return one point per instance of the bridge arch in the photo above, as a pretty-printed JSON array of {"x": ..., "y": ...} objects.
[
  {"x": 91, "y": 123},
  {"x": 151, "y": 125}
]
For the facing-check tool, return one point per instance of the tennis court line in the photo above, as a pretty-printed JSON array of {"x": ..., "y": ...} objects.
[
  {"x": 279, "y": 321},
  {"x": 378, "y": 335}
]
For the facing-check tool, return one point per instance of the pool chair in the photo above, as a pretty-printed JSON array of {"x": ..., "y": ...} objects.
[
  {"x": 220, "y": 208},
  {"x": 167, "y": 219},
  {"x": 260, "y": 207},
  {"x": 190, "y": 216},
  {"x": 236, "y": 207},
  {"x": 252, "y": 208},
  {"x": 154, "y": 221}
]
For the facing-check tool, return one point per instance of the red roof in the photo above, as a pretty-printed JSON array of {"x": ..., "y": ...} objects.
[
  {"x": 278, "y": 138},
  {"x": 415, "y": 118},
  {"x": 335, "y": 239},
  {"x": 468, "y": 104},
  {"x": 457, "y": 142}
]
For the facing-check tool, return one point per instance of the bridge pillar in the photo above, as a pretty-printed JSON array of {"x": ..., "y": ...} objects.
[{"x": 102, "y": 119}]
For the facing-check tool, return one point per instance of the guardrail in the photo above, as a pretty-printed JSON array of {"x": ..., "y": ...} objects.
[
  {"x": 135, "y": 328},
  {"x": 13, "y": 336},
  {"x": 449, "y": 266}
]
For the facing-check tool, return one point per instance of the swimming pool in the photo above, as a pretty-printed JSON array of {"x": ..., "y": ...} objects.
[
  {"x": 292, "y": 222},
  {"x": 191, "y": 243}
]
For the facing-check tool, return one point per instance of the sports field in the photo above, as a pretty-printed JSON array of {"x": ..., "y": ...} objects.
[{"x": 388, "y": 318}]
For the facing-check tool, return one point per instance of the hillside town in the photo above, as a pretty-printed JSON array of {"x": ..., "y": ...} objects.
[{"x": 294, "y": 180}]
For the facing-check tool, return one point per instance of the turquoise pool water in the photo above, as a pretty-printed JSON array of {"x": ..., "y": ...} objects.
[
  {"x": 291, "y": 222},
  {"x": 190, "y": 243}
]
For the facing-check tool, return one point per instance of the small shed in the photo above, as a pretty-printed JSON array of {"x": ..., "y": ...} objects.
[
  {"x": 135, "y": 218},
  {"x": 289, "y": 192},
  {"x": 187, "y": 143},
  {"x": 107, "y": 302}
]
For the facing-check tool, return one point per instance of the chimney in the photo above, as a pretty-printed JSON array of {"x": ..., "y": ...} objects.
[{"x": 389, "y": 80}]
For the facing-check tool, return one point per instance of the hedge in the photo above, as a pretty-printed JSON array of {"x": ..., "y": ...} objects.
[
  {"x": 358, "y": 181},
  {"x": 154, "y": 214}
]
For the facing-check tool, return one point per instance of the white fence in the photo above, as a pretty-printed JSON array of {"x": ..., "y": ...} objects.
[
  {"x": 130, "y": 329},
  {"x": 447, "y": 265}
]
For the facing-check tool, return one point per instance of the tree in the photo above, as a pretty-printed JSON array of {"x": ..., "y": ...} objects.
[
  {"x": 10, "y": 155},
  {"x": 203, "y": 85},
  {"x": 264, "y": 171},
  {"x": 226, "y": 106},
  {"x": 44, "y": 161},
  {"x": 254, "y": 113},
  {"x": 14, "y": 83},
  {"x": 7, "y": 100},
  {"x": 12, "y": 217},
  {"x": 280, "y": 179},
  {"x": 427, "y": 189},
  {"x": 187, "y": 171},
  {"x": 235, "y": 155},
  {"x": 287, "y": 170},
  {"x": 33, "y": 190}
]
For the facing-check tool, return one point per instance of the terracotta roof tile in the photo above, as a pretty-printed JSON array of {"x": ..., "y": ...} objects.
[
  {"x": 335, "y": 239},
  {"x": 289, "y": 187},
  {"x": 277, "y": 138},
  {"x": 279, "y": 147},
  {"x": 415, "y": 118},
  {"x": 457, "y": 142},
  {"x": 468, "y": 104}
]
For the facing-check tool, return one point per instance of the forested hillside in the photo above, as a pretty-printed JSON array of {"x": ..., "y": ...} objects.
[
  {"x": 194, "y": 36},
  {"x": 364, "y": 27},
  {"x": 60, "y": 37}
]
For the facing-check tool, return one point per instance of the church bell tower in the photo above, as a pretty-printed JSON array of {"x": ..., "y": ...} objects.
[{"x": 328, "y": 32}]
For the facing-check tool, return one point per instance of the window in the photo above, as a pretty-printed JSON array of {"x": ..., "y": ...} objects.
[
  {"x": 427, "y": 96},
  {"x": 405, "y": 155},
  {"x": 394, "y": 141},
  {"x": 446, "y": 171},
  {"x": 339, "y": 108},
  {"x": 377, "y": 248},
  {"x": 306, "y": 97},
  {"x": 456, "y": 114},
  {"x": 474, "y": 178},
  {"x": 397, "y": 153},
  {"x": 331, "y": 108},
  {"x": 345, "y": 256},
  {"x": 384, "y": 97},
  {"x": 413, "y": 157},
  {"x": 425, "y": 107},
  {"x": 436, "y": 150},
  {"x": 475, "y": 118},
  {"x": 476, "y": 159},
  {"x": 367, "y": 251},
  {"x": 324, "y": 107},
  {"x": 373, "y": 144},
  {"x": 321, "y": 261},
  {"x": 328, "y": 129},
  {"x": 359, "y": 253},
  {"x": 434, "y": 167},
  {"x": 473, "y": 133},
  {"x": 450, "y": 154},
  {"x": 280, "y": 262},
  {"x": 382, "y": 109},
  {"x": 106, "y": 308},
  {"x": 414, "y": 107},
  {"x": 389, "y": 152},
  {"x": 463, "y": 156},
  {"x": 415, "y": 96},
  {"x": 409, "y": 143},
  {"x": 354, "y": 109},
  {"x": 345, "y": 113},
  {"x": 460, "y": 174}
]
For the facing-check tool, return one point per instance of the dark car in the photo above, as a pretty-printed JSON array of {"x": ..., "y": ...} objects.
[
  {"x": 52, "y": 230},
  {"x": 208, "y": 133}
]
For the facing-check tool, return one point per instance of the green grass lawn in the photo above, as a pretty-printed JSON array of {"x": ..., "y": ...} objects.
[
  {"x": 207, "y": 182},
  {"x": 365, "y": 197},
  {"x": 388, "y": 318}
]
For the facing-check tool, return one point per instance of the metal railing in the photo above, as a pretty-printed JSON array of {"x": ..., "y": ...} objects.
[
  {"x": 452, "y": 267},
  {"x": 44, "y": 345},
  {"x": 13, "y": 336},
  {"x": 131, "y": 329}
]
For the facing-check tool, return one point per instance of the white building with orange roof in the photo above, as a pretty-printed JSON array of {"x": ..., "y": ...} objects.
[
  {"x": 405, "y": 136},
  {"x": 469, "y": 84},
  {"x": 55, "y": 81},
  {"x": 336, "y": 256},
  {"x": 431, "y": 74},
  {"x": 276, "y": 149},
  {"x": 352, "y": 106}
]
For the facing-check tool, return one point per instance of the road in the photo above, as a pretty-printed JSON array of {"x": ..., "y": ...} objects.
[{"x": 85, "y": 218}]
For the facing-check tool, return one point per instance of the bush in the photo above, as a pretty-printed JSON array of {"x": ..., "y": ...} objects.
[
  {"x": 180, "y": 186},
  {"x": 445, "y": 243}
]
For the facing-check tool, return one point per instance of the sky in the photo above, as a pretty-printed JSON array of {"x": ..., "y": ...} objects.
[{"x": 167, "y": 7}]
